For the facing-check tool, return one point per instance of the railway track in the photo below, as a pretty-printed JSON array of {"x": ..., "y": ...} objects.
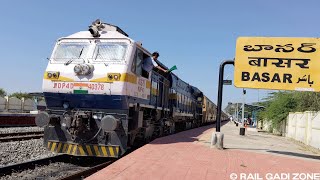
[
  {"x": 84, "y": 167},
  {"x": 87, "y": 172},
  {"x": 20, "y": 136},
  {"x": 7, "y": 170}
]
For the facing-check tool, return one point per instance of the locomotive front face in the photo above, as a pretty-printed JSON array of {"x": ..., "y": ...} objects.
[
  {"x": 85, "y": 88},
  {"x": 86, "y": 67}
]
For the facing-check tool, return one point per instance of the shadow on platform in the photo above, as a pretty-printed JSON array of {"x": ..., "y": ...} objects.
[
  {"x": 308, "y": 156},
  {"x": 190, "y": 135},
  {"x": 295, "y": 154}
]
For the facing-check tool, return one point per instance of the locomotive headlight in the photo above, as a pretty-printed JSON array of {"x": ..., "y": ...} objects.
[
  {"x": 77, "y": 69},
  {"x": 83, "y": 69},
  {"x": 53, "y": 74},
  {"x": 115, "y": 76},
  {"x": 97, "y": 116},
  {"x": 86, "y": 69}
]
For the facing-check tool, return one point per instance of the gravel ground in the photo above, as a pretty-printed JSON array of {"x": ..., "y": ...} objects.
[
  {"x": 22, "y": 151},
  {"x": 4, "y": 130},
  {"x": 51, "y": 171}
]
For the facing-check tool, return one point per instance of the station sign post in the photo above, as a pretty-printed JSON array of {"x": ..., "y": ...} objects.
[
  {"x": 278, "y": 63},
  {"x": 271, "y": 63}
]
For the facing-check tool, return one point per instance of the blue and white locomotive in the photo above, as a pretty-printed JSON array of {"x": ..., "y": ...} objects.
[{"x": 100, "y": 104}]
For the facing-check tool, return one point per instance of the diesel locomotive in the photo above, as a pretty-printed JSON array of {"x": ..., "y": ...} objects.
[{"x": 99, "y": 103}]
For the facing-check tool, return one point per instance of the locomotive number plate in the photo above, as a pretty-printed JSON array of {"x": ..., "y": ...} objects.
[{"x": 79, "y": 85}]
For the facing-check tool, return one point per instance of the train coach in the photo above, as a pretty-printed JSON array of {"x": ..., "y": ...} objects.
[{"x": 99, "y": 103}]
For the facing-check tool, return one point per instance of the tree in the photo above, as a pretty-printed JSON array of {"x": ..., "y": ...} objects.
[
  {"x": 279, "y": 104},
  {"x": 308, "y": 101},
  {"x": 21, "y": 95},
  {"x": 3, "y": 93},
  {"x": 230, "y": 108}
]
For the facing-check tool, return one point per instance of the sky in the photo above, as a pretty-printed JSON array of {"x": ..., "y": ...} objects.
[{"x": 196, "y": 36}]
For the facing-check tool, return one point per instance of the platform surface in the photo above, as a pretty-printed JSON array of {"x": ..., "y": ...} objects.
[{"x": 187, "y": 155}]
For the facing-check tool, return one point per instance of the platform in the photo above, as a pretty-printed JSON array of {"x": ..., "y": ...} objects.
[
  {"x": 187, "y": 155},
  {"x": 8, "y": 119}
]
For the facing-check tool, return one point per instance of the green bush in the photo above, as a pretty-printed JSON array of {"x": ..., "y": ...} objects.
[
  {"x": 279, "y": 104},
  {"x": 21, "y": 95}
]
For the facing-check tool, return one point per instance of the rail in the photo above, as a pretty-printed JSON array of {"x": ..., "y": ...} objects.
[
  {"x": 87, "y": 172},
  {"x": 20, "y": 136},
  {"x": 7, "y": 170}
]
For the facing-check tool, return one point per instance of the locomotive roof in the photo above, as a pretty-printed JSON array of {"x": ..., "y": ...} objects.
[
  {"x": 104, "y": 34},
  {"x": 115, "y": 34}
]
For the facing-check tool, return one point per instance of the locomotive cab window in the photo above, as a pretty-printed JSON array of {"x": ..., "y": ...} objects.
[
  {"x": 110, "y": 51},
  {"x": 70, "y": 50},
  {"x": 138, "y": 63}
]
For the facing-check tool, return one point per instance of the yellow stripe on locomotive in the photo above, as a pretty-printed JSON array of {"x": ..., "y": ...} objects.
[{"x": 83, "y": 150}]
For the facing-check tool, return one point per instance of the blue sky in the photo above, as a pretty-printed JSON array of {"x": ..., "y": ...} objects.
[{"x": 194, "y": 35}]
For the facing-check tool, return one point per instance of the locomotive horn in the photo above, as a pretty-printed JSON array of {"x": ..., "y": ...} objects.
[
  {"x": 96, "y": 26},
  {"x": 94, "y": 31}
]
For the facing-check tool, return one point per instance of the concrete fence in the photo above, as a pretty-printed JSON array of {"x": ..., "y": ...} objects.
[
  {"x": 15, "y": 105},
  {"x": 304, "y": 127},
  {"x": 3, "y": 104},
  {"x": 266, "y": 125}
]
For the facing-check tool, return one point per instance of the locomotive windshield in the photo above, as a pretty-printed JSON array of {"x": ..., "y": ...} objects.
[
  {"x": 70, "y": 50},
  {"x": 110, "y": 51}
]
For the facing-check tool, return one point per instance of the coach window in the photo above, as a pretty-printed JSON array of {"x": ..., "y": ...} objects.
[
  {"x": 181, "y": 103},
  {"x": 175, "y": 98},
  {"x": 178, "y": 100},
  {"x": 184, "y": 102},
  {"x": 187, "y": 103}
]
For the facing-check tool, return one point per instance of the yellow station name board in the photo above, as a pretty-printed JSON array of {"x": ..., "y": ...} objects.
[{"x": 278, "y": 63}]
